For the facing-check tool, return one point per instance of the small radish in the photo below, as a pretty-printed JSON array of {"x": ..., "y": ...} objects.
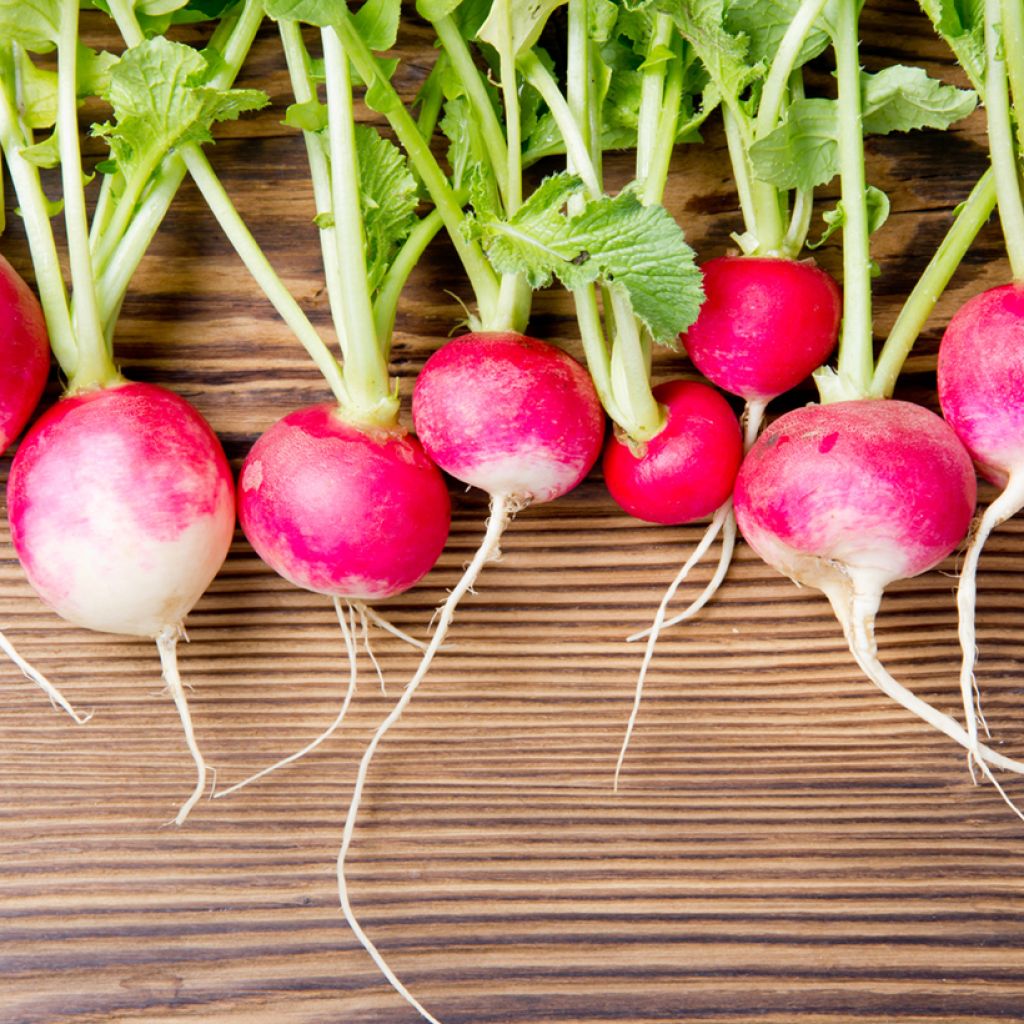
[
  {"x": 851, "y": 496},
  {"x": 24, "y": 353},
  {"x": 342, "y": 511},
  {"x": 687, "y": 470},
  {"x": 121, "y": 505}
]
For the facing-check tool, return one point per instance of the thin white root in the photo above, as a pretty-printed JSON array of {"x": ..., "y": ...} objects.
[
  {"x": 347, "y": 631},
  {"x": 364, "y": 635},
  {"x": 1006, "y": 505},
  {"x": 389, "y": 627},
  {"x": 727, "y": 526},
  {"x": 723, "y": 514},
  {"x": 503, "y": 507},
  {"x": 857, "y": 617},
  {"x": 57, "y": 699},
  {"x": 167, "y": 645}
]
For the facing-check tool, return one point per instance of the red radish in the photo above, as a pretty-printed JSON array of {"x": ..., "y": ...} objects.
[
  {"x": 851, "y": 496},
  {"x": 520, "y": 419},
  {"x": 24, "y": 353},
  {"x": 687, "y": 470},
  {"x": 766, "y": 324},
  {"x": 343, "y": 511},
  {"x": 121, "y": 505},
  {"x": 981, "y": 390}
]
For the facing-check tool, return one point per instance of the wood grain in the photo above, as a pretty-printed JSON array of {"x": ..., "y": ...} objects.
[{"x": 788, "y": 846}]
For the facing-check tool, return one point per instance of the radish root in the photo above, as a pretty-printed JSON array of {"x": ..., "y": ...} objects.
[
  {"x": 347, "y": 624},
  {"x": 167, "y": 645},
  {"x": 57, "y": 699},
  {"x": 1007, "y": 504},
  {"x": 856, "y": 606},
  {"x": 503, "y": 508}
]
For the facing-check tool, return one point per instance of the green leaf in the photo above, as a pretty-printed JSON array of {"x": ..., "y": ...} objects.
[
  {"x": 45, "y": 153},
  {"x": 902, "y": 99},
  {"x": 515, "y": 25},
  {"x": 37, "y": 94},
  {"x": 962, "y": 24},
  {"x": 324, "y": 220},
  {"x": 94, "y": 69},
  {"x": 35, "y": 24},
  {"x": 160, "y": 101},
  {"x": 878, "y": 213},
  {"x": 389, "y": 194},
  {"x": 435, "y": 10},
  {"x": 615, "y": 240},
  {"x": 313, "y": 12},
  {"x": 764, "y": 22},
  {"x": 310, "y": 116},
  {"x": 802, "y": 152},
  {"x": 377, "y": 22}
]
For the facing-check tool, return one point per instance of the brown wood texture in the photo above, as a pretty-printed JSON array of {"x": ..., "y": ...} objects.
[{"x": 788, "y": 846}]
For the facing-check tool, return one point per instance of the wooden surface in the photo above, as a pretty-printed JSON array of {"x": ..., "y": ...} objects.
[{"x": 788, "y": 846}]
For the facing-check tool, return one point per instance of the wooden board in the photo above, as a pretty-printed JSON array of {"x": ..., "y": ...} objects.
[{"x": 787, "y": 847}]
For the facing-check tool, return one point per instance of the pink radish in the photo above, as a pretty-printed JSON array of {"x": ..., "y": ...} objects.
[
  {"x": 981, "y": 390},
  {"x": 360, "y": 514},
  {"x": 513, "y": 416},
  {"x": 121, "y": 505},
  {"x": 24, "y": 353},
  {"x": 851, "y": 496}
]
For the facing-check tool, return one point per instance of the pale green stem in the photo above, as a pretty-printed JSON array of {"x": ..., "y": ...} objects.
[
  {"x": 970, "y": 219},
  {"x": 856, "y": 358},
  {"x": 1013, "y": 44},
  {"x": 386, "y": 305},
  {"x": 365, "y": 370},
  {"x": 430, "y": 102},
  {"x": 257, "y": 264},
  {"x": 630, "y": 372},
  {"x": 105, "y": 243},
  {"x": 482, "y": 278},
  {"x": 655, "y": 174},
  {"x": 94, "y": 366},
  {"x": 297, "y": 61},
  {"x": 575, "y": 145},
  {"x": 1000, "y": 142},
  {"x": 39, "y": 231},
  {"x": 803, "y": 198},
  {"x": 499, "y": 152},
  {"x": 652, "y": 99},
  {"x": 740, "y": 170}
]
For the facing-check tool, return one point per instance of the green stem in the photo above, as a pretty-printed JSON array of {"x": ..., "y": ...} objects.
[
  {"x": 970, "y": 219},
  {"x": 372, "y": 397},
  {"x": 482, "y": 278},
  {"x": 1000, "y": 142},
  {"x": 386, "y": 305},
  {"x": 572, "y": 134},
  {"x": 856, "y": 357},
  {"x": 297, "y": 61},
  {"x": 431, "y": 99},
  {"x": 803, "y": 198},
  {"x": 1013, "y": 43},
  {"x": 257, "y": 264},
  {"x": 94, "y": 367},
  {"x": 741, "y": 174},
  {"x": 499, "y": 152},
  {"x": 106, "y": 241},
  {"x": 45, "y": 261},
  {"x": 631, "y": 374},
  {"x": 655, "y": 175},
  {"x": 652, "y": 98}
]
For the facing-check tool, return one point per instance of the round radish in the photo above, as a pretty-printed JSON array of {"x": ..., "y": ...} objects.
[
  {"x": 981, "y": 391},
  {"x": 508, "y": 414},
  {"x": 24, "y": 353},
  {"x": 687, "y": 470},
  {"x": 847, "y": 498},
  {"x": 340, "y": 510},
  {"x": 765, "y": 325},
  {"x": 121, "y": 505}
]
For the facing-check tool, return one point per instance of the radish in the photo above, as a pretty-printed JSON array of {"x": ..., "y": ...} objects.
[
  {"x": 861, "y": 491},
  {"x": 980, "y": 368},
  {"x": 24, "y": 353},
  {"x": 120, "y": 498}
]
